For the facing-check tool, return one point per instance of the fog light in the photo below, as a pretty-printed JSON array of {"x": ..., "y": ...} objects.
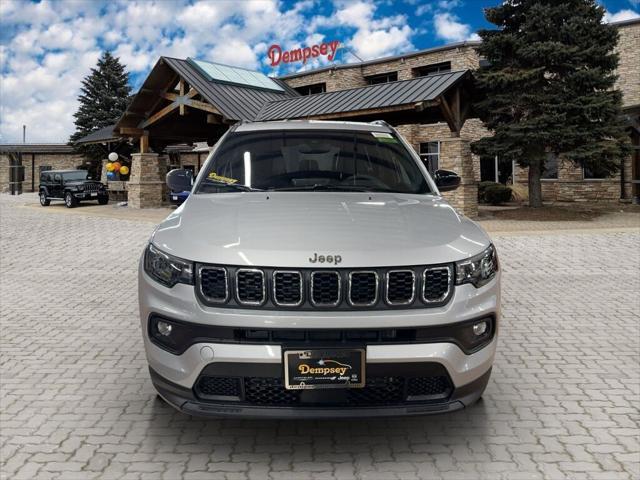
[
  {"x": 164, "y": 328},
  {"x": 480, "y": 328}
]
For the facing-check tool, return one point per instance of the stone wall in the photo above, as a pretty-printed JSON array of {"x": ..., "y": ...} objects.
[
  {"x": 629, "y": 66},
  {"x": 146, "y": 187},
  {"x": 461, "y": 58},
  {"x": 33, "y": 162},
  {"x": 335, "y": 79},
  {"x": 571, "y": 186}
]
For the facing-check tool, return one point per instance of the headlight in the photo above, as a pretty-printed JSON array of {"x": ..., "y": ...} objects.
[
  {"x": 80, "y": 188},
  {"x": 478, "y": 270},
  {"x": 167, "y": 269}
]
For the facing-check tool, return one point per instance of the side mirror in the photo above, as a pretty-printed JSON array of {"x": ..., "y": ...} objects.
[
  {"x": 179, "y": 180},
  {"x": 446, "y": 180}
]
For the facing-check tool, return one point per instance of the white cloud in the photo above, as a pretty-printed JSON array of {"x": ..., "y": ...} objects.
[
  {"x": 620, "y": 16},
  {"x": 54, "y": 44},
  {"x": 449, "y": 28},
  {"x": 374, "y": 37}
]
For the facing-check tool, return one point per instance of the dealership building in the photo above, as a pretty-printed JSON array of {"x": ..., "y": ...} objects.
[{"x": 426, "y": 94}]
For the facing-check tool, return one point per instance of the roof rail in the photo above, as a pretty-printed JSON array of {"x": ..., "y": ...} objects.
[{"x": 380, "y": 122}]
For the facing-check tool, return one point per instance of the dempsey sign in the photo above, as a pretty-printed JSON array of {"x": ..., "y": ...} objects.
[{"x": 277, "y": 56}]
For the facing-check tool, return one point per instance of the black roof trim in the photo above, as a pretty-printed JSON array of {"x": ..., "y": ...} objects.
[{"x": 36, "y": 148}]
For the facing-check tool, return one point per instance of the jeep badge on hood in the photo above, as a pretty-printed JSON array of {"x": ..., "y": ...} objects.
[{"x": 335, "y": 259}]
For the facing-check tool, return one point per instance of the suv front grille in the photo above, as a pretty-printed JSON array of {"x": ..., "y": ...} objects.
[
  {"x": 214, "y": 284},
  {"x": 363, "y": 288},
  {"x": 325, "y": 289},
  {"x": 270, "y": 391},
  {"x": 401, "y": 287},
  {"x": 250, "y": 286},
  {"x": 308, "y": 289},
  {"x": 211, "y": 387},
  {"x": 436, "y": 284},
  {"x": 287, "y": 288}
]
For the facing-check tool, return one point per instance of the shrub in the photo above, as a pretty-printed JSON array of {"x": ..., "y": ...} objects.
[
  {"x": 482, "y": 187},
  {"x": 497, "y": 194}
]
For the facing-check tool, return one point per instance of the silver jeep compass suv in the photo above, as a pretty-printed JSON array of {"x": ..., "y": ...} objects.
[{"x": 316, "y": 271}]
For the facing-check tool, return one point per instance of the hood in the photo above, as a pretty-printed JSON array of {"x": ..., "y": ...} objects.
[
  {"x": 286, "y": 229},
  {"x": 81, "y": 182}
]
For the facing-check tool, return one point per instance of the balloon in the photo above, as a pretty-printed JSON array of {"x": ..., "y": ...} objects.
[
  {"x": 116, "y": 166},
  {"x": 124, "y": 170},
  {"x": 110, "y": 167},
  {"x": 113, "y": 156},
  {"x": 111, "y": 175}
]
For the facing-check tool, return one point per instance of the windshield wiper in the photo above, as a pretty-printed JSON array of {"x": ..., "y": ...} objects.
[
  {"x": 236, "y": 186},
  {"x": 324, "y": 187}
]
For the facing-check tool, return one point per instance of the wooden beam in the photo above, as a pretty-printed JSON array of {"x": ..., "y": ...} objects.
[
  {"x": 456, "y": 108},
  {"x": 360, "y": 113},
  {"x": 449, "y": 116},
  {"x": 422, "y": 106},
  {"x": 169, "y": 85},
  {"x": 159, "y": 114},
  {"x": 144, "y": 143},
  {"x": 181, "y": 88},
  {"x": 131, "y": 131},
  {"x": 172, "y": 96},
  {"x": 202, "y": 106},
  {"x": 212, "y": 118}
]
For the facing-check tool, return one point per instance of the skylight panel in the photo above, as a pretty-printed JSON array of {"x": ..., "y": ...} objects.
[{"x": 235, "y": 75}]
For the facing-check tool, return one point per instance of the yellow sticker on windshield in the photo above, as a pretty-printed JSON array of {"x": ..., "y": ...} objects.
[{"x": 220, "y": 178}]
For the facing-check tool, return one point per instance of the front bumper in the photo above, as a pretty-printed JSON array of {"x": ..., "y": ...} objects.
[
  {"x": 89, "y": 196},
  {"x": 175, "y": 376}
]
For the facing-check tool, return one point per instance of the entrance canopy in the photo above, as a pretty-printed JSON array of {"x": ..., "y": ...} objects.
[{"x": 187, "y": 101}]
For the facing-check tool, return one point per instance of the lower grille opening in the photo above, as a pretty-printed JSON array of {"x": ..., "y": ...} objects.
[
  {"x": 378, "y": 391},
  {"x": 215, "y": 387}
]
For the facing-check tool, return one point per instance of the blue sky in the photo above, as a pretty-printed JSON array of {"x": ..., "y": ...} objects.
[{"x": 47, "y": 47}]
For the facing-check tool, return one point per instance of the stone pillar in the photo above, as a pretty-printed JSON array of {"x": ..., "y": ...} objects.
[
  {"x": 146, "y": 186},
  {"x": 455, "y": 155}
]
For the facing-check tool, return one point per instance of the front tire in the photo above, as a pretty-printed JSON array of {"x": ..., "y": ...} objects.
[
  {"x": 69, "y": 200},
  {"x": 103, "y": 200},
  {"x": 44, "y": 201}
]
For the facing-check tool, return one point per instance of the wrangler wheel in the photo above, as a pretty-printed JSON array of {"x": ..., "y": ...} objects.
[
  {"x": 69, "y": 200},
  {"x": 44, "y": 201}
]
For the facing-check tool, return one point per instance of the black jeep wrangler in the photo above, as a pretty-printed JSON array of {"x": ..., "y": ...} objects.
[{"x": 70, "y": 186}]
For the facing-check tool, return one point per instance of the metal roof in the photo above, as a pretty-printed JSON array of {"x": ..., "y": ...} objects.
[
  {"x": 383, "y": 95},
  {"x": 36, "y": 148},
  {"x": 234, "y": 102},
  {"x": 102, "y": 135}
]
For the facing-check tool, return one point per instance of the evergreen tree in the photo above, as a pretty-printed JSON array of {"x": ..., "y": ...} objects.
[
  {"x": 548, "y": 87},
  {"x": 104, "y": 98}
]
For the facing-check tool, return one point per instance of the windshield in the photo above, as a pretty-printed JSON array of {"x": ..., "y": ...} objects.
[
  {"x": 75, "y": 176},
  {"x": 306, "y": 160}
]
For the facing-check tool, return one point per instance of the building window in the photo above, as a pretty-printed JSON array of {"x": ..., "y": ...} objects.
[
  {"x": 594, "y": 173},
  {"x": 550, "y": 167},
  {"x": 430, "y": 155},
  {"x": 382, "y": 78},
  {"x": 312, "y": 89},
  {"x": 432, "y": 69}
]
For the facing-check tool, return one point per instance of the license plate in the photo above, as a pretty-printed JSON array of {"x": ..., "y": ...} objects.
[
  {"x": 94, "y": 194},
  {"x": 324, "y": 368}
]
